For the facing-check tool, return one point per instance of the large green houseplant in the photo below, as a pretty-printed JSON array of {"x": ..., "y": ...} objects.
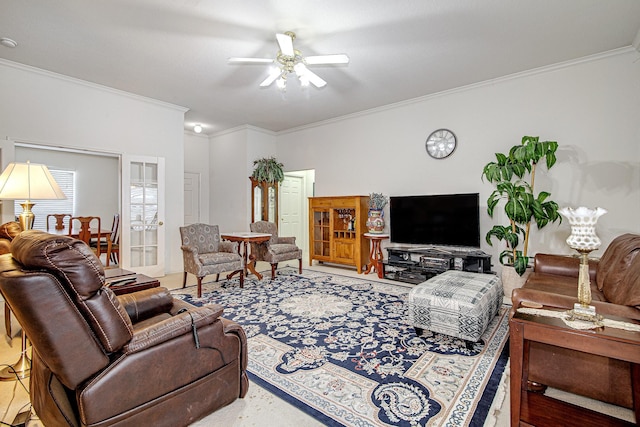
[
  {"x": 514, "y": 177},
  {"x": 268, "y": 169}
]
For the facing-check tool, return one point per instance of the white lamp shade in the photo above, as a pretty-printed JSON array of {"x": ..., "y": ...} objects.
[
  {"x": 583, "y": 227},
  {"x": 29, "y": 181}
]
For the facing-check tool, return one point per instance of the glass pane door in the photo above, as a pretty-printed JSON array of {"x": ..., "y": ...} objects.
[{"x": 143, "y": 209}]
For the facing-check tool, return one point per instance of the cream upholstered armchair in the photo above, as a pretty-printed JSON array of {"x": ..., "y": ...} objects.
[
  {"x": 203, "y": 254},
  {"x": 276, "y": 249}
]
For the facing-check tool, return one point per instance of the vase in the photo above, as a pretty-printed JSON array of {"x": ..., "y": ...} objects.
[
  {"x": 375, "y": 221},
  {"x": 512, "y": 280}
]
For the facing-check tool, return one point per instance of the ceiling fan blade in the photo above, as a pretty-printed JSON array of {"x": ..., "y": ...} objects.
[
  {"x": 286, "y": 44},
  {"x": 250, "y": 61},
  {"x": 273, "y": 75},
  {"x": 339, "y": 58},
  {"x": 314, "y": 78}
]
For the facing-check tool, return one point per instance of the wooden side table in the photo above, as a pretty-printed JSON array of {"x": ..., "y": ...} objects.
[
  {"x": 531, "y": 408},
  {"x": 244, "y": 238},
  {"x": 375, "y": 256}
]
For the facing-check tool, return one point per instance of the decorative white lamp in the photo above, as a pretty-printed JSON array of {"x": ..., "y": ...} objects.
[
  {"x": 26, "y": 181},
  {"x": 583, "y": 239}
]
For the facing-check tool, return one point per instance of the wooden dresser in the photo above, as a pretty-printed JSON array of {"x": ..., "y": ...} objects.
[{"x": 336, "y": 230}]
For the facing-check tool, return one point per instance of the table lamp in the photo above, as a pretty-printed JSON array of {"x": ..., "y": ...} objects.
[
  {"x": 26, "y": 181},
  {"x": 583, "y": 239}
]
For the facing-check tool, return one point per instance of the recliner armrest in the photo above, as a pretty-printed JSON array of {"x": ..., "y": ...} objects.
[
  {"x": 147, "y": 303},
  {"x": 176, "y": 326}
]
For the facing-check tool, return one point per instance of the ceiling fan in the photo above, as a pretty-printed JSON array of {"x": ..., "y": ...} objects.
[{"x": 289, "y": 60}]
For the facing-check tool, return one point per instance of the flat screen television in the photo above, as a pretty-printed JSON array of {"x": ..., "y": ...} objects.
[{"x": 445, "y": 219}]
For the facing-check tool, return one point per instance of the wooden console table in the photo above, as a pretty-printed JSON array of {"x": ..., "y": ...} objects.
[{"x": 531, "y": 408}]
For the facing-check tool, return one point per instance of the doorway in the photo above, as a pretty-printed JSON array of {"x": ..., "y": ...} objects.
[
  {"x": 294, "y": 192},
  {"x": 191, "y": 198}
]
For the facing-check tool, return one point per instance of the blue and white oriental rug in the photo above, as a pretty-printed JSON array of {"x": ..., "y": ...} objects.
[{"x": 340, "y": 349}]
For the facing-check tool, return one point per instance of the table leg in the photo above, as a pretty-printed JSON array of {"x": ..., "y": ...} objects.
[
  {"x": 251, "y": 265},
  {"x": 372, "y": 259},
  {"x": 379, "y": 257},
  {"x": 635, "y": 380},
  {"x": 516, "y": 350}
]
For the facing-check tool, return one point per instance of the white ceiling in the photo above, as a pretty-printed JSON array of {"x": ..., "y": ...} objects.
[{"x": 176, "y": 50}]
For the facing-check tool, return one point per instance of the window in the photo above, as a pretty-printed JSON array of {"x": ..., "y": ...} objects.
[{"x": 66, "y": 181}]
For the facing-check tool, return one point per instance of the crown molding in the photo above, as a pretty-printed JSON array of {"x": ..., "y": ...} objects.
[
  {"x": 491, "y": 82},
  {"x": 73, "y": 80},
  {"x": 244, "y": 128}
]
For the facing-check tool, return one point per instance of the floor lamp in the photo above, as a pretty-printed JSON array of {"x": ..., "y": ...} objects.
[{"x": 26, "y": 181}]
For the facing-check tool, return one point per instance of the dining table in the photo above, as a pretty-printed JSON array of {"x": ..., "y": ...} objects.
[{"x": 96, "y": 233}]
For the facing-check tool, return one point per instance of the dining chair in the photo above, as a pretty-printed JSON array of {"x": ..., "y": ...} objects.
[
  {"x": 59, "y": 224},
  {"x": 80, "y": 228},
  {"x": 115, "y": 241}
]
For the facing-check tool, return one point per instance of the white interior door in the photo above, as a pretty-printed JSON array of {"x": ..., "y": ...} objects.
[
  {"x": 291, "y": 209},
  {"x": 143, "y": 237},
  {"x": 191, "y": 198}
]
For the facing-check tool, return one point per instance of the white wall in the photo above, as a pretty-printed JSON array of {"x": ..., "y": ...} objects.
[
  {"x": 232, "y": 155},
  {"x": 592, "y": 108},
  {"x": 196, "y": 160},
  {"x": 50, "y": 109}
]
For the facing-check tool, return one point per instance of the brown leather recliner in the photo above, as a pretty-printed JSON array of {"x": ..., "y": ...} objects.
[
  {"x": 99, "y": 359},
  {"x": 615, "y": 289}
]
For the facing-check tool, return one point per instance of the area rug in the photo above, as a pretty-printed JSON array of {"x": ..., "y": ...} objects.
[{"x": 340, "y": 349}]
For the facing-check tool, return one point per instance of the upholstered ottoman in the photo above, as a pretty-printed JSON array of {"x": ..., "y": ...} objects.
[{"x": 456, "y": 303}]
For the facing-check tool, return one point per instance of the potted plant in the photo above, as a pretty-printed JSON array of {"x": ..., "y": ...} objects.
[
  {"x": 268, "y": 169},
  {"x": 375, "y": 220},
  {"x": 514, "y": 177}
]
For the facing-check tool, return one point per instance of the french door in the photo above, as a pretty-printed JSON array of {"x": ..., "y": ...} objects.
[{"x": 143, "y": 237}]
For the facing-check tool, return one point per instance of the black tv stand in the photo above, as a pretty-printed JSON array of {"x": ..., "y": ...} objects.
[{"x": 417, "y": 264}]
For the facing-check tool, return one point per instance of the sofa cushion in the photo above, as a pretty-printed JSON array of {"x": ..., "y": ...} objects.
[
  {"x": 618, "y": 275},
  {"x": 218, "y": 258},
  {"x": 283, "y": 248},
  {"x": 562, "y": 285}
]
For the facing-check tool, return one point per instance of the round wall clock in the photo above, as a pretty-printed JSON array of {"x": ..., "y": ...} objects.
[{"x": 441, "y": 143}]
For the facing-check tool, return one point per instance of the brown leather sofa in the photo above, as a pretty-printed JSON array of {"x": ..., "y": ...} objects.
[
  {"x": 99, "y": 359},
  {"x": 8, "y": 231},
  {"x": 615, "y": 290}
]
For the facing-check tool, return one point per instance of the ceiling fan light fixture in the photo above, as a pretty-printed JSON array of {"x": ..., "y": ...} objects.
[{"x": 289, "y": 60}]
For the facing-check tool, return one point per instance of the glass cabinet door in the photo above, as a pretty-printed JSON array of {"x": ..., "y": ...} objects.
[{"x": 264, "y": 201}]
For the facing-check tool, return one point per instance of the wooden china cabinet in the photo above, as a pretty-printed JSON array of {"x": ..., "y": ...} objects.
[
  {"x": 336, "y": 230},
  {"x": 264, "y": 201}
]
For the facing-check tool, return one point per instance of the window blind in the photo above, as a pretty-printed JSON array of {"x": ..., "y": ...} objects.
[{"x": 66, "y": 181}]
